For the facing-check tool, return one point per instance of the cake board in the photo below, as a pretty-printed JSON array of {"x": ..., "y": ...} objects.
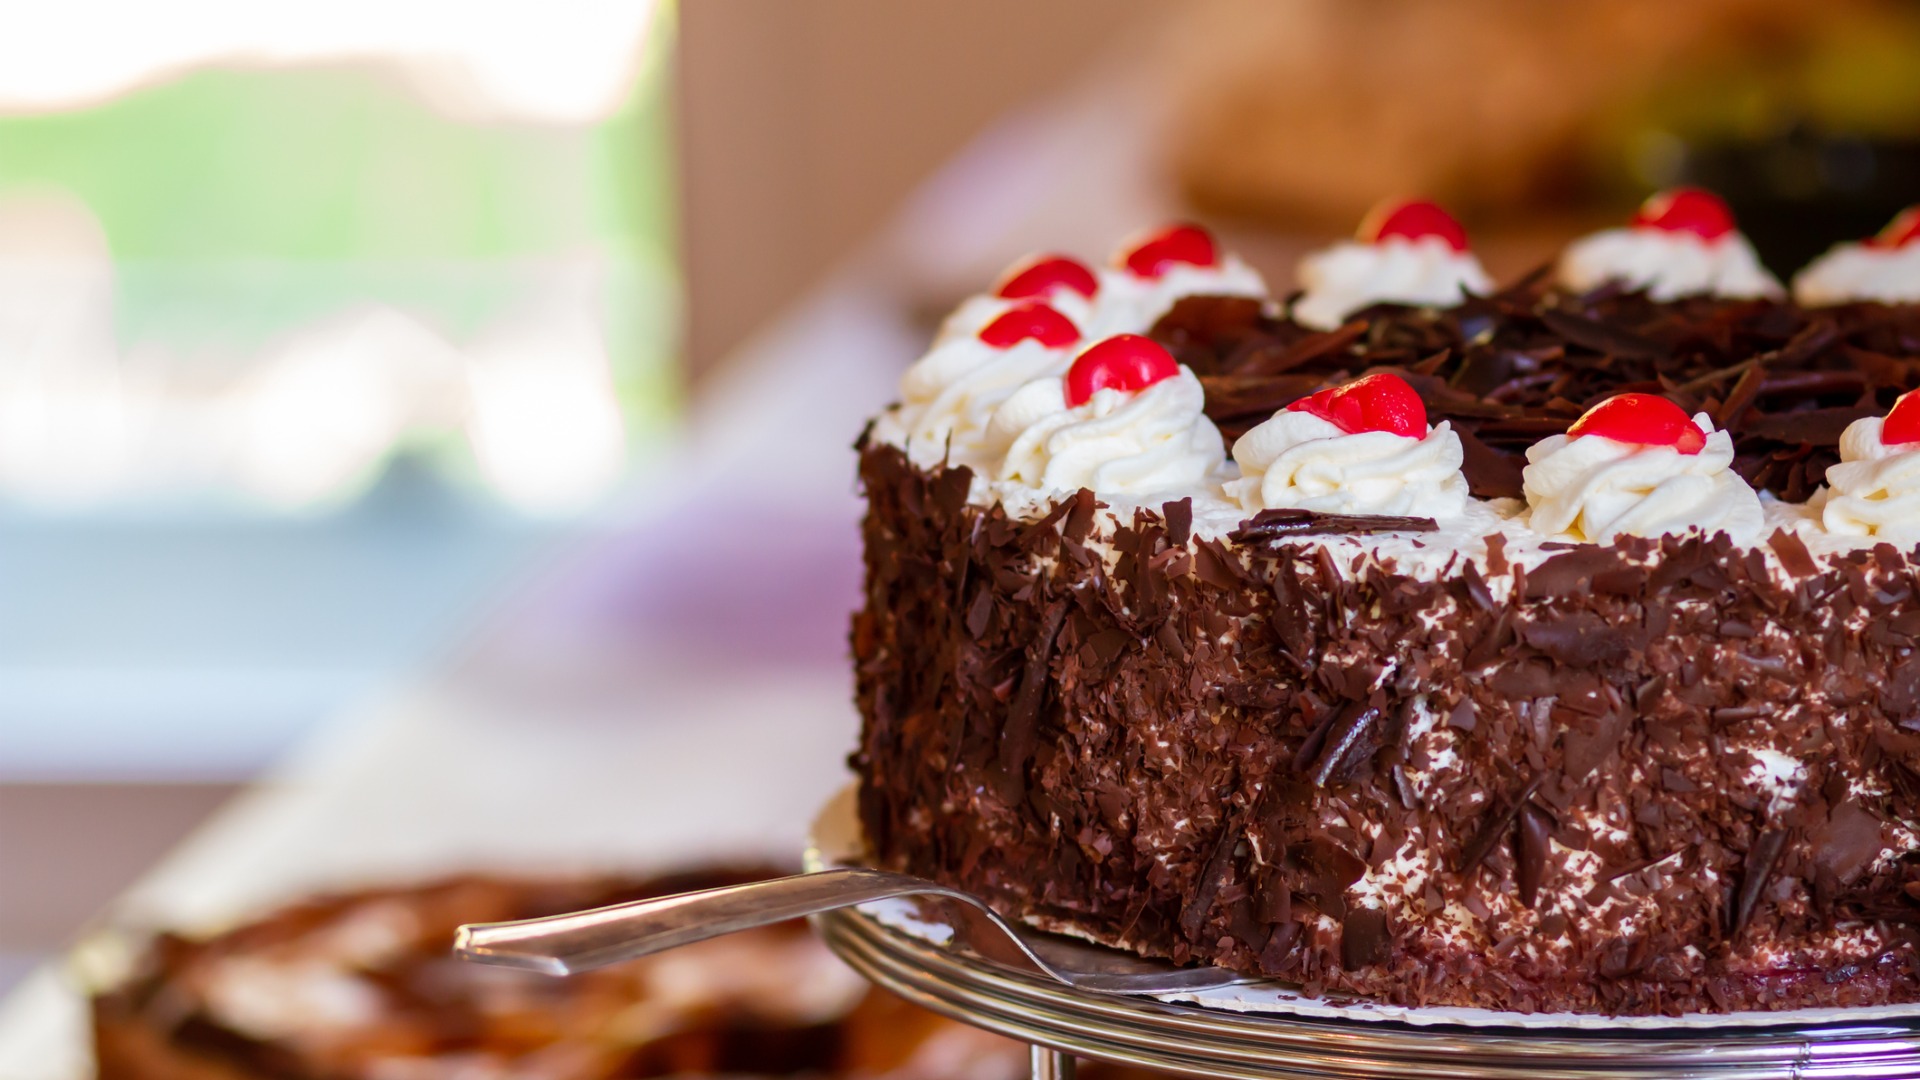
[{"x": 1325, "y": 1040}]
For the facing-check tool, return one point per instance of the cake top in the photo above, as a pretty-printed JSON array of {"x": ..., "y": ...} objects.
[{"x": 1657, "y": 381}]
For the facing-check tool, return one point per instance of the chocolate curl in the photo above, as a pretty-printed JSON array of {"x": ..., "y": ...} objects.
[
  {"x": 1496, "y": 824},
  {"x": 1754, "y": 874},
  {"x": 1535, "y": 846},
  {"x": 1284, "y": 522}
]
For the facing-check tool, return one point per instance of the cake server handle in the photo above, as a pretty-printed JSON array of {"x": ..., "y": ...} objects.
[{"x": 581, "y": 941}]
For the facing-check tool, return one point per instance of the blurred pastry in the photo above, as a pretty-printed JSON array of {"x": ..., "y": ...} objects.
[
  {"x": 1302, "y": 113},
  {"x": 362, "y": 986}
]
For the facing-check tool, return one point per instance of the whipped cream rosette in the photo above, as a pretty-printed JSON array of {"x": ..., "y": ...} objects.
[
  {"x": 1404, "y": 253},
  {"x": 1875, "y": 489},
  {"x": 1681, "y": 243},
  {"x": 1636, "y": 465},
  {"x": 1884, "y": 268},
  {"x": 1125, "y": 419},
  {"x": 1158, "y": 269},
  {"x": 1361, "y": 448},
  {"x": 1061, "y": 282},
  {"x": 949, "y": 396}
]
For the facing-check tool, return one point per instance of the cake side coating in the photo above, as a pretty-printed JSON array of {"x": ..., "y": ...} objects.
[{"x": 1657, "y": 776}]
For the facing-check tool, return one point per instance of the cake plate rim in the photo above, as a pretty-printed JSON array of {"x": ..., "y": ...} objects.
[{"x": 1213, "y": 1042}]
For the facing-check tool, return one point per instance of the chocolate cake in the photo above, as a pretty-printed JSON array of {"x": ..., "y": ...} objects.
[
  {"x": 1597, "y": 693},
  {"x": 363, "y": 985}
]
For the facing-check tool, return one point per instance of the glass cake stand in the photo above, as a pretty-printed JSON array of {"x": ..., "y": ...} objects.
[{"x": 1062, "y": 1024}]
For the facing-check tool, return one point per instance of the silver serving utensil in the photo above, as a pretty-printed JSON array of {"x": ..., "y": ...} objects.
[{"x": 565, "y": 944}]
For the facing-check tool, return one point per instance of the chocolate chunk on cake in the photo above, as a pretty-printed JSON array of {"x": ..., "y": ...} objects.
[{"x": 1549, "y": 647}]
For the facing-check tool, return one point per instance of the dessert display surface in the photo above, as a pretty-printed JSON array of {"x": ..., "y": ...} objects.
[{"x": 1545, "y": 647}]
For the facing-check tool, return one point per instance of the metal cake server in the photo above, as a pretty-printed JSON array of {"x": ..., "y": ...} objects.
[{"x": 565, "y": 944}]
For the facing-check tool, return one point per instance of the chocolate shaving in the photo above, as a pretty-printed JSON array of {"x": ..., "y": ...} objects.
[
  {"x": 1363, "y": 938},
  {"x": 1179, "y": 518},
  {"x": 1200, "y": 904},
  {"x": 1280, "y": 523},
  {"x": 1602, "y": 337},
  {"x": 1849, "y": 840},
  {"x": 1496, "y": 824},
  {"x": 1536, "y": 831},
  {"x": 1311, "y": 348},
  {"x": 1497, "y": 564},
  {"x": 1079, "y": 523},
  {"x": 1023, "y": 715},
  {"x": 1578, "y": 639},
  {"x": 1509, "y": 370},
  {"x": 1292, "y": 620},
  {"x": 1347, "y": 733},
  {"x": 1588, "y": 746},
  {"x": 979, "y": 613},
  {"x": 1793, "y": 553},
  {"x": 950, "y": 487},
  {"x": 1754, "y": 873}
]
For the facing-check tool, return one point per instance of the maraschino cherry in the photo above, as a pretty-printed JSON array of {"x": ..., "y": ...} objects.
[
  {"x": 1641, "y": 419},
  {"x": 1904, "y": 229},
  {"x": 1686, "y": 209},
  {"x": 1411, "y": 219},
  {"x": 1902, "y": 425},
  {"x": 1032, "y": 320},
  {"x": 1382, "y": 402},
  {"x": 1037, "y": 277},
  {"x": 1176, "y": 245},
  {"x": 1126, "y": 362}
]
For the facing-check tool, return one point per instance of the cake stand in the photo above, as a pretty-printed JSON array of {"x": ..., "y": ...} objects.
[{"x": 1062, "y": 1024}]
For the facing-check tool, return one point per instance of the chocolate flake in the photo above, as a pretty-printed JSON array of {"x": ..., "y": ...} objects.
[
  {"x": 1754, "y": 873},
  {"x": 1364, "y": 938},
  {"x": 1536, "y": 830},
  {"x": 1023, "y": 715},
  {"x": 1347, "y": 733},
  {"x": 1283, "y": 522},
  {"x": 1179, "y": 518},
  {"x": 1848, "y": 842},
  {"x": 1495, "y": 824},
  {"x": 1200, "y": 905},
  {"x": 1793, "y": 553}
]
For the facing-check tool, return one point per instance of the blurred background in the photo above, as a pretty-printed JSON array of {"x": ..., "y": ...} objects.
[{"x": 514, "y": 350}]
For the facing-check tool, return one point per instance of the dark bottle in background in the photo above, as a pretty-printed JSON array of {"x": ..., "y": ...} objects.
[{"x": 1810, "y": 129}]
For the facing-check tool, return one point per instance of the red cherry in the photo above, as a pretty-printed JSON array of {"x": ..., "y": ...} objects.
[
  {"x": 1382, "y": 402},
  {"x": 1643, "y": 419},
  {"x": 1902, "y": 425},
  {"x": 1686, "y": 209},
  {"x": 1038, "y": 276},
  {"x": 1412, "y": 219},
  {"x": 1904, "y": 229},
  {"x": 1175, "y": 245},
  {"x": 1030, "y": 320},
  {"x": 1122, "y": 362}
]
